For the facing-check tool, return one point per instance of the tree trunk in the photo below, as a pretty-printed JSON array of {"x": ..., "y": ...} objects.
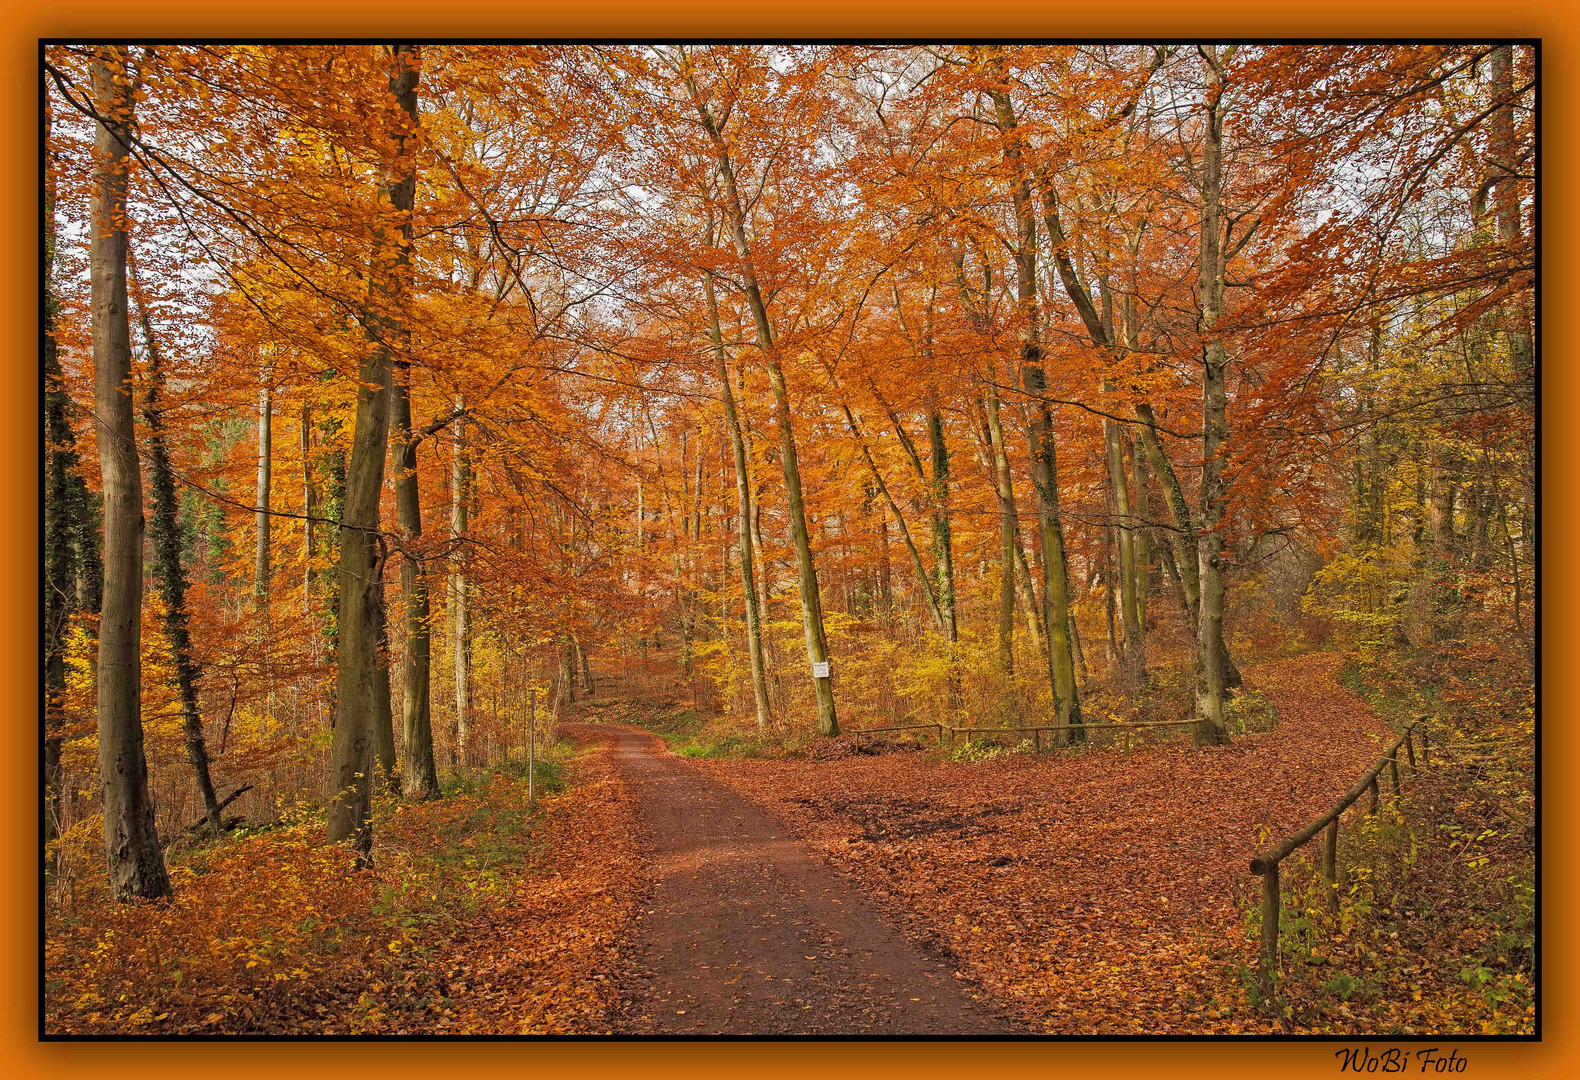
[
  {"x": 309, "y": 510},
  {"x": 383, "y": 730},
  {"x": 167, "y": 563},
  {"x": 943, "y": 538},
  {"x": 732, "y": 423},
  {"x": 60, "y": 528},
  {"x": 885, "y": 572},
  {"x": 811, "y": 602},
  {"x": 1506, "y": 203},
  {"x": 136, "y": 862},
  {"x": 1143, "y": 511},
  {"x": 1214, "y": 417},
  {"x": 1039, "y": 429},
  {"x": 1008, "y": 521},
  {"x": 586, "y": 669},
  {"x": 1133, "y": 650},
  {"x": 420, "y": 781},
  {"x": 361, "y": 543},
  {"x": 460, "y": 602},
  {"x": 261, "y": 570}
]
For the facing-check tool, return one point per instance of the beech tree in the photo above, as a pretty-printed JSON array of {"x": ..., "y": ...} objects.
[{"x": 131, "y": 842}]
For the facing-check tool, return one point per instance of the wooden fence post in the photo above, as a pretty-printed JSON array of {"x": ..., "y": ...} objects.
[
  {"x": 1270, "y": 906},
  {"x": 1373, "y": 789},
  {"x": 1393, "y": 771},
  {"x": 1330, "y": 864},
  {"x": 1409, "y": 749}
]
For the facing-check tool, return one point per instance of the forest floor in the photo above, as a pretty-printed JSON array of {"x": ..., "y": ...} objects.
[
  {"x": 1083, "y": 892},
  {"x": 480, "y": 916}
]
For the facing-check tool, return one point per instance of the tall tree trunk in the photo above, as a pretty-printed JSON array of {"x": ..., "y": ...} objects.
[
  {"x": 131, "y": 843},
  {"x": 309, "y": 509},
  {"x": 581, "y": 657},
  {"x": 167, "y": 561},
  {"x": 885, "y": 572},
  {"x": 1506, "y": 204},
  {"x": 1039, "y": 430},
  {"x": 361, "y": 543},
  {"x": 1214, "y": 414},
  {"x": 1003, "y": 483},
  {"x": 811, "y": 602},
  {"x": 383, "y": 729},
  {"x": 1133, "y": 651},
  {"x": 1008, "y": 523},
  {"x": 416, "y": 679},
  {"x": 60, "y": 527},
  {"x": 732, "y": 423},
  {"x": 460, "y": 601},
  {"x": 261, "y": 568},
  {"x": 943, "y": 538},
  {"x": 1142, "y": 505}
]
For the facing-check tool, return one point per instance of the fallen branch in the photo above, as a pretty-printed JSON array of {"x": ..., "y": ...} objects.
[{"x": 233, "y": 822}]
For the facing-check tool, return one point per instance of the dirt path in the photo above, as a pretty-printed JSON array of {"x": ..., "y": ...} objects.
[{"x": 748, "y": 932}]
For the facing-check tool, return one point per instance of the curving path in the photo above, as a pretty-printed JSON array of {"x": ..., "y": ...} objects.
[{"x": 747, "y": 932}]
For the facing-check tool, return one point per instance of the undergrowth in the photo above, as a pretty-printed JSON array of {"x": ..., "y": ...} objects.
[
  {"x": 274, "y": 929},
  {"x": 1423, "y": 940}
]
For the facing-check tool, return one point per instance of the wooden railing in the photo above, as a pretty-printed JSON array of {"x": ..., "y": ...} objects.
[
  {"x": 859, "y": 732},
  {"x": 1034, "y": 732},
  {"x": 1266, "y": 864}
]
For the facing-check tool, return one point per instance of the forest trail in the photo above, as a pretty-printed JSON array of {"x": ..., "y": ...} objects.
[{"x": 748, "y": 932}]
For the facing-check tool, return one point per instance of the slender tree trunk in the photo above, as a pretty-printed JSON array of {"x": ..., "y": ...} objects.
[
  {"x": 1133, "y": 651},
  {"x": 811, "y": 602},
  {"x": 167, "y": 562},
  {"x": 732, "y": 423},
  {"x": 261, "y": 567},
  {"x": 1214, "y": 418},
  {"x": 1506, "y": 203},
  {"x": 460, "y": 601},
  {"x": 1008, "y": 522},
  {"x": 1143, "y": 511},
  {"x": 361, "y": 543},
  {"x": 1039, "y": 430},
  {"x": 581, "y": 657},
  {"x": 416, "y": 680},
  {"x": 885, "y": 572},
  {"x": 383, "y": 710},
  {"x": 131, "y": 843},
  {"x": 60, "y": 528},
  {"x": 309, "y": 510},
  {"x": 943, "y": 538}
]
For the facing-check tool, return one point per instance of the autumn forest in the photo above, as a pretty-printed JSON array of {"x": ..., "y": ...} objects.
[{"x": 777, "y": 539}]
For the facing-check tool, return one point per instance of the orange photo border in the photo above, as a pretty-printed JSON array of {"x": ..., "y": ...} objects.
[{"x": 23, "y": 1055}]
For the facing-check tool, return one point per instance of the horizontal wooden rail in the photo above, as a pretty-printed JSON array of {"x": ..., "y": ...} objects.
[
  {"x": 1078, "y": 727},
  {"x": 859, "y": 732},
  {"x": 1034, "y": 730},
  {"x": 1266, "y": 864}
]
